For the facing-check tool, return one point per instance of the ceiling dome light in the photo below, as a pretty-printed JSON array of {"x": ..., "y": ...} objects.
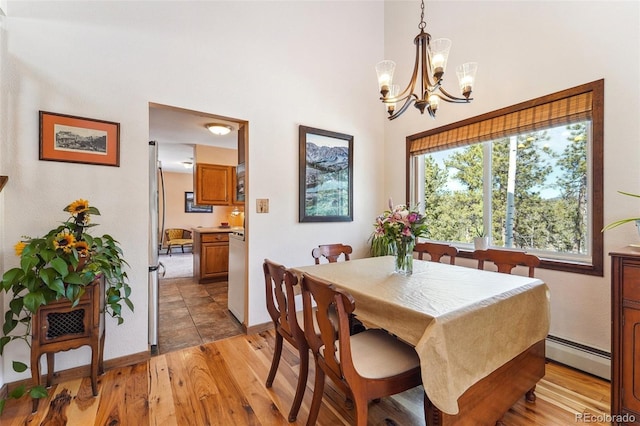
[{"x": 219, "y": 128}]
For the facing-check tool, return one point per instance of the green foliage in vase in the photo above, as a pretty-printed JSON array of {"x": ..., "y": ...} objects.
[{"x": 622, "y": 221}]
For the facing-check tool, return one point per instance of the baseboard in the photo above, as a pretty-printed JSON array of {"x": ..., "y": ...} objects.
[
  {"x": 578, "y": 356},
  {"x": 259, "y": 328},
  {"x": 78, "y": 372}
]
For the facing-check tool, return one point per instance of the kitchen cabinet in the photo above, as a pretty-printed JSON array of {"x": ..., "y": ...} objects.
[
  {"x": 213, "y": 184},
  {"x": 210, "y": 254},
  {"x": 217, "y": 185},
  {"x": 625, "y": 337}
]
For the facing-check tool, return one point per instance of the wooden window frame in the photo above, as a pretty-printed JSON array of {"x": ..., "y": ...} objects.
[{"x": 415, "y": 145}]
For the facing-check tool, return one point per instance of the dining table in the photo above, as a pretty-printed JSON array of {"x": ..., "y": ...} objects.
[{"x": 479, "y": 334}]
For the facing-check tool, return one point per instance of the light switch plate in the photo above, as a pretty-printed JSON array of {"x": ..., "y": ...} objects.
[{"x": 262, "y": 205}]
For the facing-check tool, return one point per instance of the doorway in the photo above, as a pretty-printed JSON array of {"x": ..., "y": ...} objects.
[{"x": 187, "y": 313}]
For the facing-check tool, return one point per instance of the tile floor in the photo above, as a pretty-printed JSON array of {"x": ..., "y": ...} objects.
[{"x": 191, "y": 314}]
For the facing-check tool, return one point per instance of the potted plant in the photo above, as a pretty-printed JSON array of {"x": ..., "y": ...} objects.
[
  {"x": 60, "y": 265},
  {"x": 623, "y": 221},
  {"x": 480, "y": 241}
]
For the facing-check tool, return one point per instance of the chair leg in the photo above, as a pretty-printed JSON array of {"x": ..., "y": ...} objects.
[
  {"x": 275, "y": 361},
  {"x": 303, "y": 373},
  {"x": 318, "y": 391},
  {"x": 182, "y": 247},
  {"x": 362, "y": 411},
  {"x": 169, "y": 249}
]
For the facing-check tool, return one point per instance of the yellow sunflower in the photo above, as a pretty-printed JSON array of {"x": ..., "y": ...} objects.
[
  {"x": 20, "y": 245},
  {"x": 78, "y": 206},
  {"x": 82, "y": 247},
  {"x": 64, "y": 241}
]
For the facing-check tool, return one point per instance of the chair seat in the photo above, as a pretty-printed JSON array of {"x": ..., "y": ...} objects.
[
  {"x": 376, "y": 354},
  {"x": 180, "y": 242}
]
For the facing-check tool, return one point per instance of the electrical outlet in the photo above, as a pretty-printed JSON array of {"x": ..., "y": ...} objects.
[{"x": 262, "y": 205}]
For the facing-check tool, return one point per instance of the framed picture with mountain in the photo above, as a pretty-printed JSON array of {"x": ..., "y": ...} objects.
[
  {"x": 325, "y": 176},
  {"x": 74, "y": 139}
]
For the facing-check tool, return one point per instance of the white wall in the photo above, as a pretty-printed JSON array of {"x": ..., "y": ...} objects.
[
  {"x": 528, "y": 49},
  {"x": 277, "y": 65}
]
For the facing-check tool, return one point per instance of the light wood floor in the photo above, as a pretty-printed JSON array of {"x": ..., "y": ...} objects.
[{"x": 222, "y": 383}]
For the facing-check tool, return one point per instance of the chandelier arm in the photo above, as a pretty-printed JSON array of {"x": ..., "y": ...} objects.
[
  {"x": 453, "y": 99},
  {"x": 410, "y": 99}
]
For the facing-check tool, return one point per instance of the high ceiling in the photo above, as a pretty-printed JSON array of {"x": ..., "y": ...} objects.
[{"x": 177, "y": 131}]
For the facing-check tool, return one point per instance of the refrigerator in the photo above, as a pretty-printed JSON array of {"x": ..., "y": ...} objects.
[{"x": 156, "y": 226}]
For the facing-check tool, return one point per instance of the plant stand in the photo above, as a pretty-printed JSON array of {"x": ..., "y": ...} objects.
[{"x": 58, "y": 326}]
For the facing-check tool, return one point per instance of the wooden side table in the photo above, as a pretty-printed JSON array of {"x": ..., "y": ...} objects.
[{"x": 59, "y": 327}]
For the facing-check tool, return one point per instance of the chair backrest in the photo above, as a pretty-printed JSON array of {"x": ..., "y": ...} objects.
[
  {"x": 330, "y": 302},
  {"x": 506, "y": 260},
  {"x": 331, "y": 252},
  {"x": 177, "y": 234},
  {"x": 280, "y": 287},
  {"x": 436, "y": 251}
]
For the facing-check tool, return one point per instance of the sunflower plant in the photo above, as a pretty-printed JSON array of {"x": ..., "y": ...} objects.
[{"x": 60, "y": 265}]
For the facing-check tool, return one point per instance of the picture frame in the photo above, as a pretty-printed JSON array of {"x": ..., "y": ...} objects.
[
  {"x": 325, "y": 176},
  {"x": 72, "y": 139},
  {"x": 191, "y": 207}
]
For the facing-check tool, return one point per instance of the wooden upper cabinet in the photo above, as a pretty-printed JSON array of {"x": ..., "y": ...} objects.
[{"x": 213, "y": 184}]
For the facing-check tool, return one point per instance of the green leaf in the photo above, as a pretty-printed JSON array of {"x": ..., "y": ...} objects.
[
  {"x": 32, "y": 301},
  {"x": 619, "y": 222},
  {"x": 11, "y": 276},
  {"x": 16, "y": 304},
  {"x": 60, "y": 266},
  {"x": 3, "y": 342},
  {"x": 58, "y": 286},
  {"x": 74, "y": 278},
  {"x": 38, "y": 392},
  {"x": 2, "y": 402},
  {"x": 19, "y": 367},
  {"x": 17, "y": 392}
]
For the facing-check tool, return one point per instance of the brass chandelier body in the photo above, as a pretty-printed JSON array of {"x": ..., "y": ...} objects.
[{"x": 428, "y": 72}]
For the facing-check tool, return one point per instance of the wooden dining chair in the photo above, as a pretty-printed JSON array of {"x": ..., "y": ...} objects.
[
  {"x": 506, "y": 260},
  {"x": 436, "y": 251},
  {"x": 369, "y": 365},
  {"x": 287, "y": 320},
  {"x": 331, "y": 252}
]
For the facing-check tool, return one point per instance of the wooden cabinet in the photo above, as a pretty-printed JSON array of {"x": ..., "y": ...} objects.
[
  {"x": 217, "y": 185},
  {"x": 210, "y": 256},
  {"x": 59, "y": 326},
  {"x": 213, "y": 184},
  {"x": 625, "y": 337}
]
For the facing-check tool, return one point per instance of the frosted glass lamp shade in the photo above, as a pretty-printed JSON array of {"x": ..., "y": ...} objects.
[{"x": 467, "y": 77}]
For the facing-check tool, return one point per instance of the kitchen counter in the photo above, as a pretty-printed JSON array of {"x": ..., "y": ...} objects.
[{"x": 212, "y": 230}]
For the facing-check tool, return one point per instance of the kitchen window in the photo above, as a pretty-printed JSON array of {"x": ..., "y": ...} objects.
[{"x": 528, "y": 176}]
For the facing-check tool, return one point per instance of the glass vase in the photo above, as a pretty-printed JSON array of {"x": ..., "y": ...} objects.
[{"x": 404, "y": 257}]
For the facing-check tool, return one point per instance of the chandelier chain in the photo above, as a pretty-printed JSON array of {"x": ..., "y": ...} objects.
[{"x": 422, "y": 24}]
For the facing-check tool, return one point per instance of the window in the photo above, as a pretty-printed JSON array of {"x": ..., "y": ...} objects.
[{"x": 529, "y": 176}]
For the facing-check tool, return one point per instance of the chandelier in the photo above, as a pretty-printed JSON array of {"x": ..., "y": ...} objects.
[{"x": 431, "y": 61}]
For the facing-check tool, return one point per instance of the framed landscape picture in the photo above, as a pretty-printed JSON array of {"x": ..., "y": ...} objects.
[
  {"x": 79, "y": 140},
  {"x": 325, "y": 176},
  {"x": 191, "y": 207}
]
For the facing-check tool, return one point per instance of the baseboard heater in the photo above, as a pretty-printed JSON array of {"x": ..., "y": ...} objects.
[{"x": 585, "y": 358}]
